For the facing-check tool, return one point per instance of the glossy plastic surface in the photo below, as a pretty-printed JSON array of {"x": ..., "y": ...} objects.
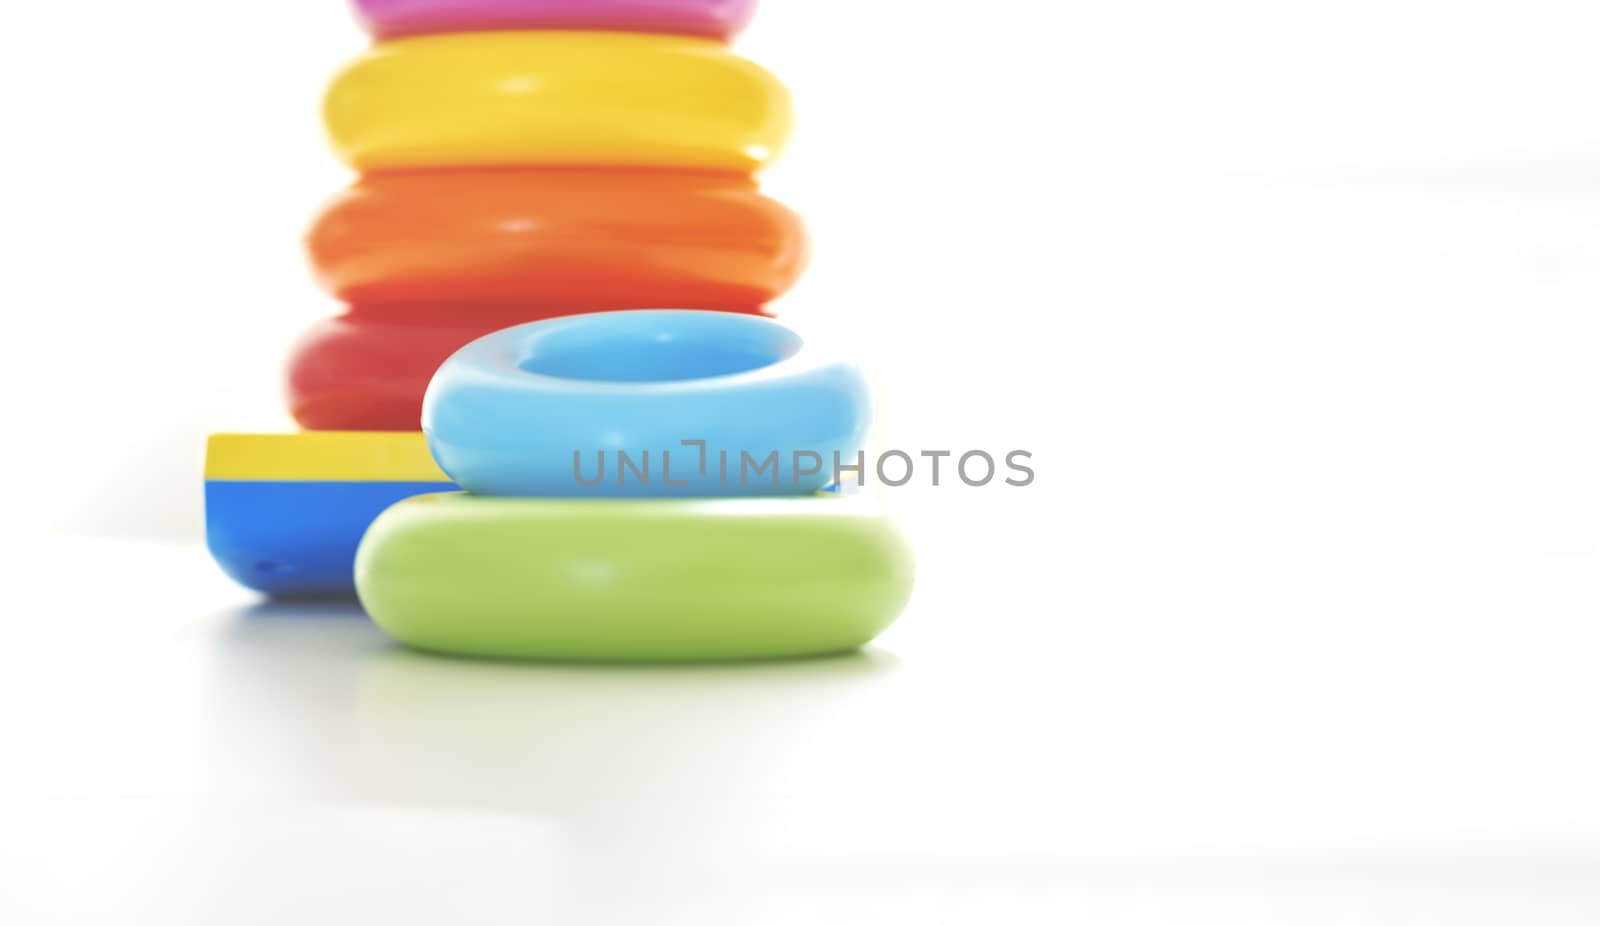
[
  {"x": 633, "y": 580},
  {"x": 296, "y": 539},
  {"x": 718, "y": 19},
  {"x": 328, "y": 456},
  {"x": 360, "y": 374},
  {"x": 546, "y": 408},
  {"x": 556, "y": 98},
  {"x": 284, "y": 512},
  {"x": 554, "y": 241}
]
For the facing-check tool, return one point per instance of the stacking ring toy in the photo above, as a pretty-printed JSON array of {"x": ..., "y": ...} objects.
[
  {"x": 359, "y": 374},
  {"x": 565, "y": 98},
  {"x": 633, "y": 580},
  {"x": 553, "y": 241},
  {"x": 285, "y": 512},
  {"x": 716, "y": 19},
  {"x": 647, "y": 403}
]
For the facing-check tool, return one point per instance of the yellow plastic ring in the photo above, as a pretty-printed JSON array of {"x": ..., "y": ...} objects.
[{"x": 556, "y": 98}]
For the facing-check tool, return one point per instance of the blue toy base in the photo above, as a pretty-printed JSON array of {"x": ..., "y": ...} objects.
[{"x": 297, "y": 539}]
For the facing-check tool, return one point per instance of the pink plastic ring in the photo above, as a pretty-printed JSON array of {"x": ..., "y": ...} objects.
[{"x": 716, "y": 19}]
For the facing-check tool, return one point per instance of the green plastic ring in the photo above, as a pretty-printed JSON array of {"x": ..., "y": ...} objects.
[{"x": 624, "y": 579}]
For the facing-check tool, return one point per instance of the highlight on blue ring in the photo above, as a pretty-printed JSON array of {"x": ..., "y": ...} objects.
[{"x": 656, "y": 402}]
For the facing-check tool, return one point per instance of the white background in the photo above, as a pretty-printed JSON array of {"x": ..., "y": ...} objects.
[{"x": 1295, "y": 305}]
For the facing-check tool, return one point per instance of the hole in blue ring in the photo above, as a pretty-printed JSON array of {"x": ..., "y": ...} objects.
[{"x": 659, "y": 352}]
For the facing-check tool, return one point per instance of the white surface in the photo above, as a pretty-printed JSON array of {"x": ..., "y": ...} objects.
[
  {"x": 151, "y": 861},
  {"x": 1413, "y": 746}
]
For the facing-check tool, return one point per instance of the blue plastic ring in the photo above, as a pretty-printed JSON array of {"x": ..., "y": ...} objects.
[{"x": 645, "y": 403}]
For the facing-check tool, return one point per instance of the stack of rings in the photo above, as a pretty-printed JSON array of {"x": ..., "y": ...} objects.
[
  {"x": 700, "y": 534},
  {"x": 529, "y": 159},
  {"x": 539, "y": 180},
  {"x": 518, "y": 160}
]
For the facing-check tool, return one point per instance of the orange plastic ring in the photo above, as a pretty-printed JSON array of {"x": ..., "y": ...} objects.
[{"x": 557, "y": 241}]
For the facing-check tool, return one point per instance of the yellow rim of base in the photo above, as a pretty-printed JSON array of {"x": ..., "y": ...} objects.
[{"x": 322, "y": 456}]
